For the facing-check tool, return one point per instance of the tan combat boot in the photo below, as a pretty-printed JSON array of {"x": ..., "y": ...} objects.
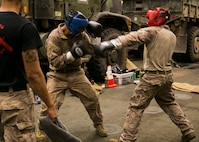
[
  {"x": 188, "y": 137},
  {"x": 100, "y": 130},
  {"x": 41, "y": 136},
  {"x": 114, "y": 140}
]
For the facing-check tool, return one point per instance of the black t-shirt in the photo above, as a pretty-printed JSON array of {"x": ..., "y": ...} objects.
[{"x": 16, "y": 35}]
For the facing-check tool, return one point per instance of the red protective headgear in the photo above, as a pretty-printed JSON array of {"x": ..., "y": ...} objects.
[{"x": 157, "y": 16}]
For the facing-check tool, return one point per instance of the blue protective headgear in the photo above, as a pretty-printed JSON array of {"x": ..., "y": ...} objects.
[{"x": 75, "y": 22}]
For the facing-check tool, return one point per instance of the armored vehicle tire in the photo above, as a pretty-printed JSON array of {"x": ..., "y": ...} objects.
[
  {"x": 193, "y": 44},
  {"x": 97, "y": 66}
]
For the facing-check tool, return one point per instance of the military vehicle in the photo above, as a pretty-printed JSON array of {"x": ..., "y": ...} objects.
[
  {"x": 47, "y": 14},
  {"x": 184, "y": 22}
]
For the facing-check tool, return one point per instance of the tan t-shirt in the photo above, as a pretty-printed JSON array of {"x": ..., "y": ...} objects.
[
  {"x": 57, "y": 45},
  {"x": 159, "y": 44}
]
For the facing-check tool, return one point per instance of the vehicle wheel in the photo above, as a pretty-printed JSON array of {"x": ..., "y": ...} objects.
[
  {"x": 97, "y": 66},
  {"x": 193, "y": 44}
]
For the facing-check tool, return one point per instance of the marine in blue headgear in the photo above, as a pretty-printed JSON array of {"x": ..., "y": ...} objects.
[{"x": 76, "y": 22}]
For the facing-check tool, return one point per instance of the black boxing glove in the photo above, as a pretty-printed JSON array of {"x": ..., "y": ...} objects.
[
  {"x": 105, "y": 46},
  {"x": 94, "y": 28},
  {"x": 78, "y": 49}
]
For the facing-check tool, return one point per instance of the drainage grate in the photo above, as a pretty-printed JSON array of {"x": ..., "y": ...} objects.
[
  {"x": 182, "y": 96},
  {"x": 153, "y": 110}
]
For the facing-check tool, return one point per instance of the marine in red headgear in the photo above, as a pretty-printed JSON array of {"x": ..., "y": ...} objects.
[{"x": 157, "y": 16}]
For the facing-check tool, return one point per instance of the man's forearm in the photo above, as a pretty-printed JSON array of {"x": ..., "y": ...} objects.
[
  {"x": 37, "y": 80},
  {"x": 38, "y": 84}
]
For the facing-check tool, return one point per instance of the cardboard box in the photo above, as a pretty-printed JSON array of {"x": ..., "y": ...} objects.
[{"x": 122, "y": 79}]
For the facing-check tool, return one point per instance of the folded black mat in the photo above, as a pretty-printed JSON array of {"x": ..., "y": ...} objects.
[{"x": 56, "y": 130}]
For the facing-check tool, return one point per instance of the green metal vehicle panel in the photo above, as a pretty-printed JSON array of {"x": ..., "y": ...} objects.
[
  {"x": 47, "y": 14},
  {"x": 184, "y": 18}
]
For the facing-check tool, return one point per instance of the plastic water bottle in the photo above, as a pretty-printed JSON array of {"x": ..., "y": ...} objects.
[
  {"x": 109, "y": 73},
  {"x": 133, "y": 77},
  {"x": 37, "y": 99}
]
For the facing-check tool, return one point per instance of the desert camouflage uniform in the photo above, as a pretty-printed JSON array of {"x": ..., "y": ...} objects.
[
  {"x": 73, "y": 78},
  {"x": 17, "y": 116},
  {"x": 156, "y": 82}
]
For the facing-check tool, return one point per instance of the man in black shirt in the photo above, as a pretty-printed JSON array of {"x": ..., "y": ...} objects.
[{"x": 19, "y": 69}]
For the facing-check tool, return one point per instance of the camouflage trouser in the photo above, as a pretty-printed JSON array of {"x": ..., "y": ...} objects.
[
  {"x": 80, "y": 86},
  {"x": 17, "y": 116},
  {"x": 158, "y": 86}
]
